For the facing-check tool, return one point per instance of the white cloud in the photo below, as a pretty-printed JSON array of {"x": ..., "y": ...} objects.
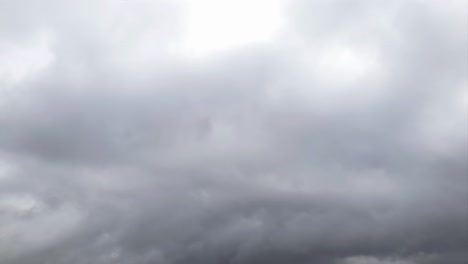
[
  {"x": 20, "y": 61},
  {"x": 215, "y": 26}
]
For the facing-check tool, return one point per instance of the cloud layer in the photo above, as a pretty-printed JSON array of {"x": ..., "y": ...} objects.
[{"x": 143, "y": 132}]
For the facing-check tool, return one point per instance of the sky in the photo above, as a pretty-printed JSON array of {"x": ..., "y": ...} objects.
[{"x": 233, "y": 132}]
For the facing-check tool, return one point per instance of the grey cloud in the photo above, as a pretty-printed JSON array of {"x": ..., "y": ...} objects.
[{"x": 247, "y": 157}]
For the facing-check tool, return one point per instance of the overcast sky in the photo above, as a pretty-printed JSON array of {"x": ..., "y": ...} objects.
[{"x": 233, "y": 132}]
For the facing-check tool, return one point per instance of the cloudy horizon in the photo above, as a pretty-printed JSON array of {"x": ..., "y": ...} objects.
[{"x": 233, "y": 132}]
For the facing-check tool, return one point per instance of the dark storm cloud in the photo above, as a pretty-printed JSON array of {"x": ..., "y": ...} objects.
[{"x": 116, "y": 154}]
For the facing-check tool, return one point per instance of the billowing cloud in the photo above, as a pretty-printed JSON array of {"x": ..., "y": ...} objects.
[{"x": 243, "y": 132}]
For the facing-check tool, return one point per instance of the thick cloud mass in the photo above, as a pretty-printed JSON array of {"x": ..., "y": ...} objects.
[{"x": 161, "y": 132}]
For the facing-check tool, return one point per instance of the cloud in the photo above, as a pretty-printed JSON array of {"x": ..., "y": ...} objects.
[{"x": 341, "y": 137}]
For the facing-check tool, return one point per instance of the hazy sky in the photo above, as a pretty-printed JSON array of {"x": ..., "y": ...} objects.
[{"x": 233, "y": 132}]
